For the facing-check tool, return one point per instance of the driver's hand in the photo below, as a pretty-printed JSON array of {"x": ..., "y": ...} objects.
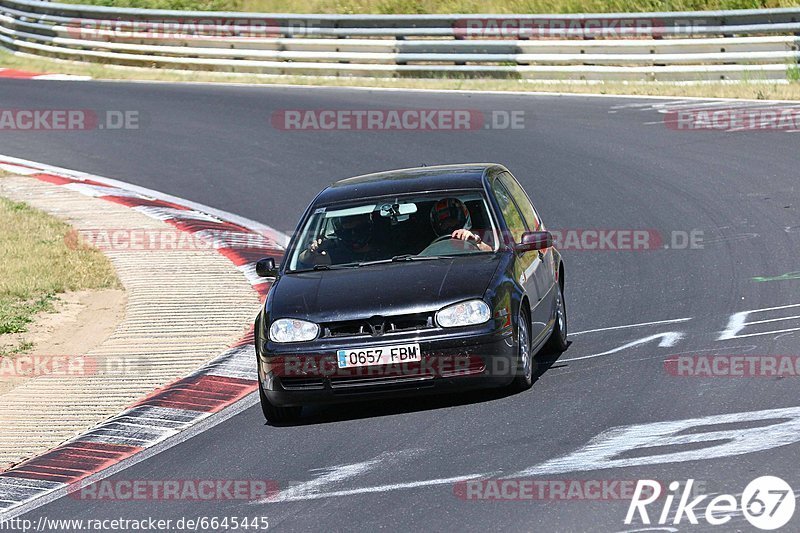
[
  {"x": 464, "y": 235},
  {"x": 316, "y": 247},
  {"x": 315, "y": 254}
]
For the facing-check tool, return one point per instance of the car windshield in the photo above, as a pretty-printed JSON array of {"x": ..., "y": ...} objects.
[{"x": 397, "y": 228}]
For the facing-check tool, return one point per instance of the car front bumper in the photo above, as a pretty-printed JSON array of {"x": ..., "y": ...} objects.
[{"x": 450, "y": 362}]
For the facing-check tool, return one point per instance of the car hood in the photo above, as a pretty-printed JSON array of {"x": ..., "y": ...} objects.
[{"x": 385, "y": 289}]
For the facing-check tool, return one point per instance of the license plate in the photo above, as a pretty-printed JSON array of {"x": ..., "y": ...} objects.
[{"x": 383, "y": 355}]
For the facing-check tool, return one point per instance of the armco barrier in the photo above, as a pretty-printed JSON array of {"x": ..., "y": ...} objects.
[{"x": 679, "y": 46}]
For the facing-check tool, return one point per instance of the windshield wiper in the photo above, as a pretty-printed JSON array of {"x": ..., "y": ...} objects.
[
  {"x": 325, "y": 267},
  {"x": 409, "y": 257},
  {"x": 395, "y": 259},
  {"x": 404, "y": 257}
]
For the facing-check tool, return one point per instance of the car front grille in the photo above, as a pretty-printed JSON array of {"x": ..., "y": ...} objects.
[{"x": 377, "y": 326}]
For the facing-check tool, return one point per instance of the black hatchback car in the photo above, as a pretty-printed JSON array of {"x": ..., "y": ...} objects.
[{"x": 406, "y": 282}]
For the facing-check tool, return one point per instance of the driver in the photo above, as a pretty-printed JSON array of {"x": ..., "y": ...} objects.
[
  {"x": 451, "y": 217},
  {"x": 352, "y": 242}
]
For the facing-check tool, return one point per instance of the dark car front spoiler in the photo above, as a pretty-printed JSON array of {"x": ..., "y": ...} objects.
[{"x": 450, "y": 363}]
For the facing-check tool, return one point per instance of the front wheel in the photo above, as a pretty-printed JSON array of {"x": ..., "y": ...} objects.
[
  {"x": 523, "y": 375},
  {"x": 558, "y": 339},
  {"x": 276, "y": 414}
]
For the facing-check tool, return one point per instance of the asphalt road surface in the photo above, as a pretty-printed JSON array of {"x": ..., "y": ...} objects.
[{"x": 589, "y": 164}]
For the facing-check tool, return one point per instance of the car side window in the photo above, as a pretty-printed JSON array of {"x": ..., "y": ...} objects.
[
  {"x": 512, "y": 216},
  {"x": 522, "y": 201}
]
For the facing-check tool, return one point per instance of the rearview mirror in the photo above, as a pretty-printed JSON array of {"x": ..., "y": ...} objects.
[
  {"x": 389, "y": 210},
  {"x": 265, "y": 268},
  {"x": 534, "y": 240},
  {"x": 398, "y": 212}
]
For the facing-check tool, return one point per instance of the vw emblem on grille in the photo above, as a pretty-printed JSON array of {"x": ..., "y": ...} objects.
[{"x": 376, "y": 326}]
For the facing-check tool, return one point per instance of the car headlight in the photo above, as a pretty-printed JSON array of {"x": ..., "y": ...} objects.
[
  {"x": 292, "y": 330},
  {"x": 467, "y": 313}
]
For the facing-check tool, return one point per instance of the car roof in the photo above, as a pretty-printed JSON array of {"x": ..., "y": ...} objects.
[{"x": 409, "y": 180}]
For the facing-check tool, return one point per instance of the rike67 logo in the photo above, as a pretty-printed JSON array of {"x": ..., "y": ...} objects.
[{"x": 767, "y": 502}]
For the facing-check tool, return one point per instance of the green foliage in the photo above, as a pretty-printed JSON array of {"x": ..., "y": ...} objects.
[
  {"x": 38, "y": 264},
  {"x": 16, "y": 315},
  {"x": 793, "y": 73}
]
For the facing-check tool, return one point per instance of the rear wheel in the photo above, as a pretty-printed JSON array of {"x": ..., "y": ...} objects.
[
  {"x": 523, "y": 375},
  {"x": 558, "y": 339},
  {"x": 276, "y": 414}
]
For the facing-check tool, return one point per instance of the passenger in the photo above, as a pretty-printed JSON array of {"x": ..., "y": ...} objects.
[{"x": 352, "y": 242}]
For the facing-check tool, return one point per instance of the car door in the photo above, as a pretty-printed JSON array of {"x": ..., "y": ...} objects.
[
  {"x": 525, "y": 263},
  {"x": 544, "y": 267}
]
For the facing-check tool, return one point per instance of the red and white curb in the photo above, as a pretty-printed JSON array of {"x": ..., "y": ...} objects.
[
  {"x": 25, "y": 75},
  {"x": 180, "y": 407}
]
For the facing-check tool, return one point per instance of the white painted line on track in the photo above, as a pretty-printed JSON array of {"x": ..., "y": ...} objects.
[
  {"x": 776, "y": 332},
  {"x": 767, "y": 321},
  {"x": 671, "y": 321},
  {"x": 377, "y": 488},
  {"x": 668, "y": 340},
  {"x": 678, "y": 441}
]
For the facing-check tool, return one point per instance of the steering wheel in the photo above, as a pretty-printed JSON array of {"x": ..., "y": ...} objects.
[{"x": 448, "y": 237}]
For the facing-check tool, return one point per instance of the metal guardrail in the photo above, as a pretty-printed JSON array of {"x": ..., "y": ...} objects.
[{"x": 679, "y": 46}]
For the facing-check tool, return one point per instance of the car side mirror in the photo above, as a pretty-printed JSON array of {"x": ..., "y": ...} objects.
[
  {"x": 534, "y": 240},
  {"x": 266, "y": 268}
]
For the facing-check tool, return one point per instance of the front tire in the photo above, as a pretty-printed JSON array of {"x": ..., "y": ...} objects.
[
  {"x": 275, "y": 414},
  {"x": 523, "y": 373}
]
